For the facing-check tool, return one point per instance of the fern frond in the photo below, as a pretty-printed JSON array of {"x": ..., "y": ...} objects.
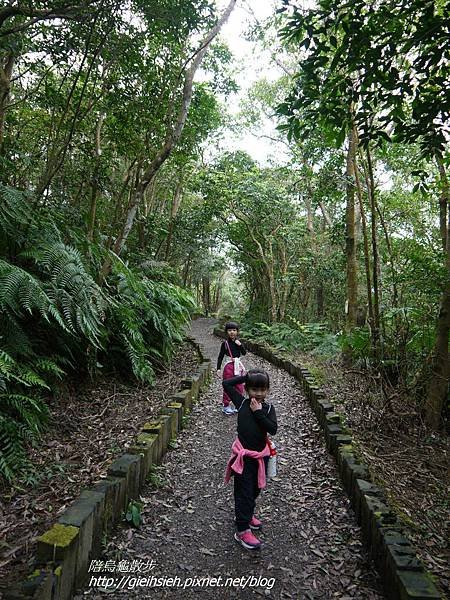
[
  {"x": 72, "y": 290},
  {"x": 20, "y": 291},
  {"x": 21, "y": 421},
  {"x": 14, "y": 209}
]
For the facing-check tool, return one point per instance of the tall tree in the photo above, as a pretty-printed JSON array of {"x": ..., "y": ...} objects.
[
  {"x": 172, "y": 136},
  {"x": 397, "y": 82}
]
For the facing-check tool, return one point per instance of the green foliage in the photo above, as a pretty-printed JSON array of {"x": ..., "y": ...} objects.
[
  {"x": 156, "y": 476},
  {"x": 147, "y": 319},
  {"x": 54, "y": 316},
  {"x": 133, "y": 513},
  {"x": 72, "y": 291},
  {"x": 185, "y": 419},
  {"x": 397, "y": 78},
  {"x": 318, "y": 374},
  {"x": 312, "y": 338},
  {"x": 316, "y": 338},
  {"x": 35, "y": 475},
  {"x": 74, "y": 139},
  {"x": 358, "y": 340},
  {"x": 22, "y": 416},
  {"x": 13, "y": 209}
]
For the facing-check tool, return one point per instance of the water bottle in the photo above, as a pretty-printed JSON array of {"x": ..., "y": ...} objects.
[{"x": 272, "y": 463}]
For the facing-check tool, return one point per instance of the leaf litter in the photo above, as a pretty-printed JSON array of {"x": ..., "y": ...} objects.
[
  {"x": 312, "y": 545},
  {"x": 96, "y": 421}
]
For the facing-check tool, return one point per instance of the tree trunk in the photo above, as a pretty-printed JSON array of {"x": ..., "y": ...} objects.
[
  {"x": 350, "y": 237},
  {"x": 272, "y": 286},
  {"x": 176, "y": 202},
  {"x": 443, "y": 204},
  {"x": 268, "y": 263},
  {"x": 284, "y": 283},
  {"x": 206, "y": 294},
  {"x": 366, "y": 247},
  {"x": 391, "y": 257},
  {"x": 146, "y": 208},
  {"x": 375, "y": 263},
  {"x": 309, "y": 219},
  {"x": 172, "y": 136},
  {"x": 438, "y": 387},
  {"x": 186, "y": 268},
  {"x": 320, "y": 301},
  {"x": 95, "y": 178},
  {"x": 216, "y": 297},
  {"x": 326, "y": 216},
  {"x": 6, "y": 67}
]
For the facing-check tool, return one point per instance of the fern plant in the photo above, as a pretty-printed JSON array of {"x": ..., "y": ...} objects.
[
  {"x": 23, "y": 415},
  {"x": 71, "y": 289},
  {"x": 14, "y": 211},
  {"x": 44, "y": 317},
  {"x": 148, "y": 319},
  {"x": 54, "y": 317},
  {"x": 309, "y": 337}
]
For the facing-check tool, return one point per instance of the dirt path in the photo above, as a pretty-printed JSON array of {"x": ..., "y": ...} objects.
[{"x": 312, "y": 545}]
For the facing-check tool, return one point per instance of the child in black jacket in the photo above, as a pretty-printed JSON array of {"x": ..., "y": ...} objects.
[
  {"x": 250, "y": 450},
  {"x": 231, "y": 349}
]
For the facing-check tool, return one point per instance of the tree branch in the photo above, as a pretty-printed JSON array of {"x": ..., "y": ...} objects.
[{"x": 68, "y": 12}]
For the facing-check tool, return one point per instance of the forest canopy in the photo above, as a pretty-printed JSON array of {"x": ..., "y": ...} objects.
[{"x": 123, "y": 211}]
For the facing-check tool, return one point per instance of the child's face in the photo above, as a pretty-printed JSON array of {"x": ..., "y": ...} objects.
[
  {"x": 259, "y": 394},
  {"x": 232, "y": 333}
]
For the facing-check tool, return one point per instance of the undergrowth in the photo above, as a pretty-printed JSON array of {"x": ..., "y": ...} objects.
[{"x": 55, "y": 318}]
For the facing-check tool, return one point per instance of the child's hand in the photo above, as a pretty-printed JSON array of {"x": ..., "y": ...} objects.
[
  {"x": 255, "y": 405},
  {"x": 219, "y": 373},
  {"x": 237, "y": 342}
]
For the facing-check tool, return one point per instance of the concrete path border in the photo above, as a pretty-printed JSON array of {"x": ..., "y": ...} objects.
[
  {"x": 64, "y": 552},
  {"x": 404, "y": 575}
]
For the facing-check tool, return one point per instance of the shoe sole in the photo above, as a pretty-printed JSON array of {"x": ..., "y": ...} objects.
[
  {"x": 258, "y": 528},
  {"x": 244, "y": 545}
]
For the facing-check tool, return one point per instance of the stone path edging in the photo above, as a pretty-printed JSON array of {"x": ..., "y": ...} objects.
[
  {"x": 64, "y": 552},
  {"x": 404, "y": 575}
]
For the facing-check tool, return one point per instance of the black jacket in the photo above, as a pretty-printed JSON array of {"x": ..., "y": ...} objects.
[
  {"x": 252, "y": 427},
  {"x": 236, "y": 351}
]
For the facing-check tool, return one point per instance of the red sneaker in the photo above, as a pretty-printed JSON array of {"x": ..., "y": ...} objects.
[
  {"x": 255, "y": 523},
  {"x": 247, "y": 540}
]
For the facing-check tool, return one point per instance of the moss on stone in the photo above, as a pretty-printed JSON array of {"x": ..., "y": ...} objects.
[
  {"x": 346, "y": 448},
  {"x": 146, "y": 438},
  {"x": 151, "y": 425},
  {"x": 177, "y": 405},
  {"x": 35, "y": 574},
  {"x": 59, "y": 535}
]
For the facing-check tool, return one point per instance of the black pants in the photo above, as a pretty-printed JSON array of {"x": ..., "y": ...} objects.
[{"x": 246, "y": 491}]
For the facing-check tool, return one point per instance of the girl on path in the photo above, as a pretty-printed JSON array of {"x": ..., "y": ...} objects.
[
  {"x": 232, "y": 349},
  {"x": 250, "y": 450}
]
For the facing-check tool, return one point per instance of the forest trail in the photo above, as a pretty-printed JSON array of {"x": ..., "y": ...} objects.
[{"x": 312, "y": 544}]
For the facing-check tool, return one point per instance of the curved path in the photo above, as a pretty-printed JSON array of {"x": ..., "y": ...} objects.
[{"x": 312, "y": 544}]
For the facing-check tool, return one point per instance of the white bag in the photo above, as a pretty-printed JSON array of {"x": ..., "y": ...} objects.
[
  {"x": 272, "y": 462},
  {"x": 238, "y": 367}
]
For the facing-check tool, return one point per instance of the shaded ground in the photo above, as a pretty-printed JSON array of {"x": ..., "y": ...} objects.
[
  {"x": 408, "y": 461},
  {"x": 312, "y": 545},
  {"x": 89, "y": 425}
]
